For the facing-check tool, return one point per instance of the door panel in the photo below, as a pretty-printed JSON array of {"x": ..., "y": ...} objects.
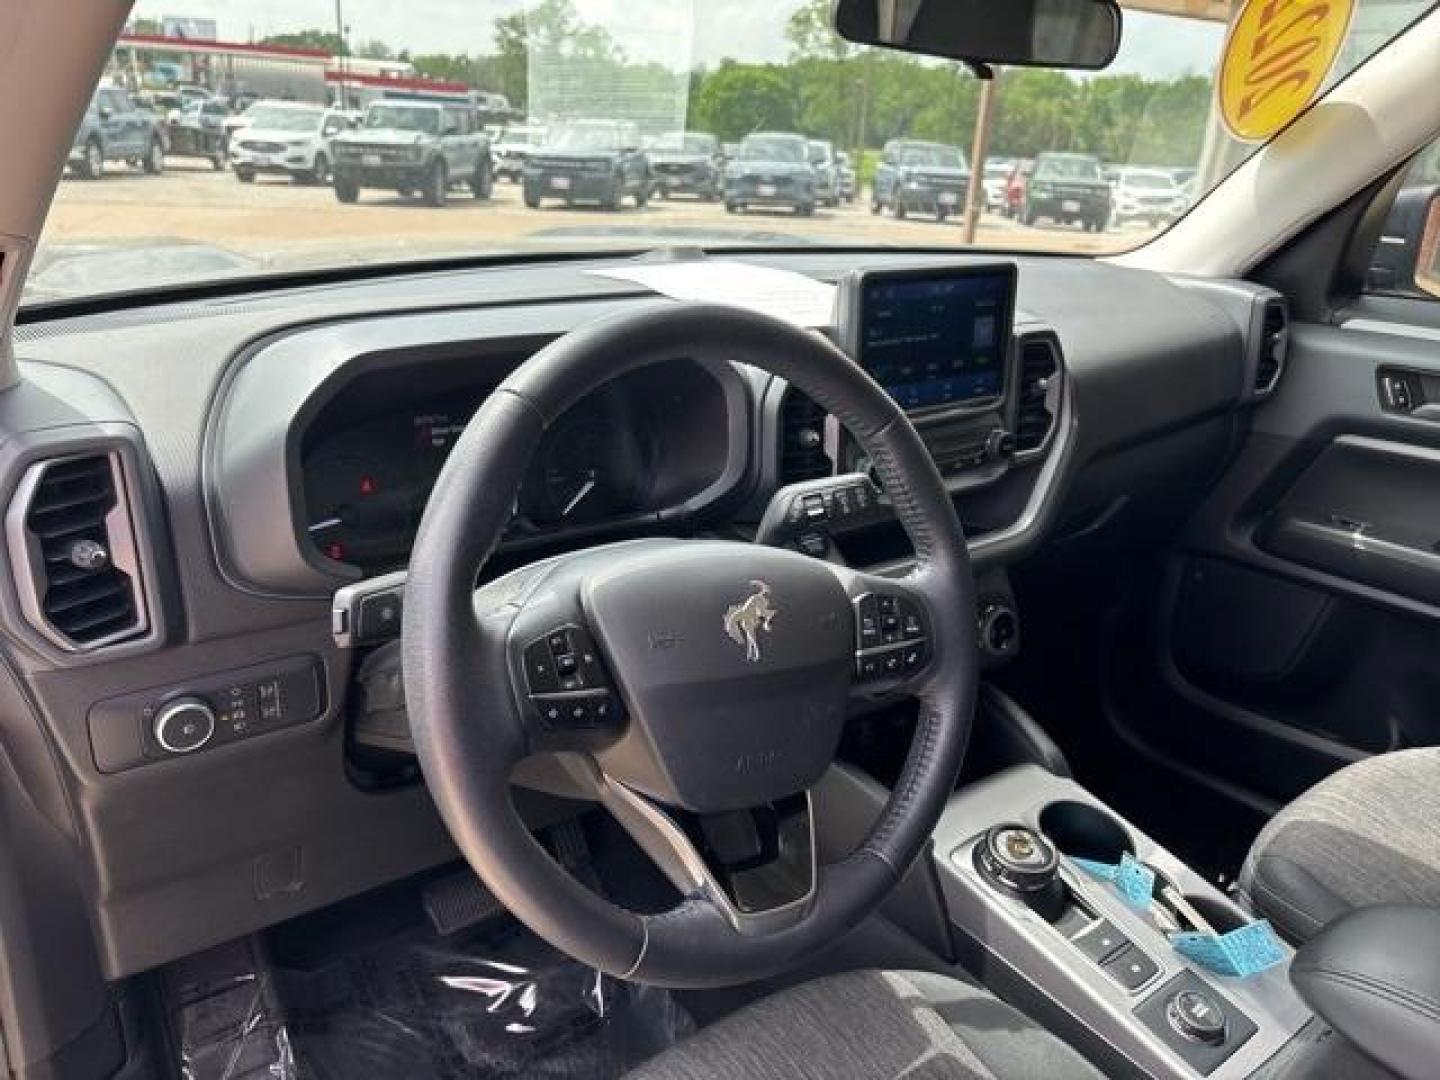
[{"x": 1299, "y": 616}]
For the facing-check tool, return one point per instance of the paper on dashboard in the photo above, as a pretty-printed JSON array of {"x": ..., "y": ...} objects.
[{"x": 782, "y": 294}]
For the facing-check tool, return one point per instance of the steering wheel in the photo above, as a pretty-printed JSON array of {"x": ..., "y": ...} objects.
[{"x": 699, "y": 687}]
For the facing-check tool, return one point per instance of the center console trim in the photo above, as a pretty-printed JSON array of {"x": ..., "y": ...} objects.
[{"x": 1043, "y": 957}]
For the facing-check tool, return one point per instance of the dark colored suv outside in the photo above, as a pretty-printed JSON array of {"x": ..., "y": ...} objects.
[
  {"x": 687, "y": 163},
  {"x": 771, "y": 168},
  {"x": 920, "y": 177},
  {"x": 1068, "y": 188},
  {"x": 596, "y": 161}
]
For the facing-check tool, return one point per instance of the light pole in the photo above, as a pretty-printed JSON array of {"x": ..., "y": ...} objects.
[{"x": 340, "y": 33}]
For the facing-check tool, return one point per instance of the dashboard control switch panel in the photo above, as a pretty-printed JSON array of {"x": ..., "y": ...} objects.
[{"x": 204, "y": 713}]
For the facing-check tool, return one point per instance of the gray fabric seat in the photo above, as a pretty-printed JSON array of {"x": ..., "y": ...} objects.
[
  {"x": 1369, "y": 834},
  {"x": 875, "y": 1025}
]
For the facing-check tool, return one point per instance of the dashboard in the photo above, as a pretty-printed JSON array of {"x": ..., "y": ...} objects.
[{"x": 272, "y": 450}]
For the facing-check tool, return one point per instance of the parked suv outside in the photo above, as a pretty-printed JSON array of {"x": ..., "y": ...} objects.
[
  {"x": 771, "y": 168},
  {"x": 511, "y": 148},
  {"x": 1068, "y": 188},
  {"x": 688, "y": 163},
  {"x": 920, "y": 176},
  {"x": 589, "y": 161},
  {"x": 1149, "y": 195},
  {"x": 827, "y": 172},
  {"x": 286, "y": 139},
  {"x": 427, "y": 147},
  {"x": 114, "y": 129}
]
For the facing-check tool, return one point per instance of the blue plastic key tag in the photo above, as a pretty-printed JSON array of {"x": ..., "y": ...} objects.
[
  {"x": 1246, "y": 950},
  {"x": 1134, "y": 880}
]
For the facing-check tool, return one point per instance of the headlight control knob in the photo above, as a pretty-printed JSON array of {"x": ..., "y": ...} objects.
[{"x": 184, "y": 725}]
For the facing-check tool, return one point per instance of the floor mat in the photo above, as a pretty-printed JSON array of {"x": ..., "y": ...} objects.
[{"x": 491, "y": 1002}]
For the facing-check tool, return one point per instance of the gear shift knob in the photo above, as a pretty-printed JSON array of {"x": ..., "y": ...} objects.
[{"x": 1017, "y": 860}]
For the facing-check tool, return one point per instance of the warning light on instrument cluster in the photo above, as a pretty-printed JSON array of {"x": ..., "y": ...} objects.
[{"x": 367, "y": 485}]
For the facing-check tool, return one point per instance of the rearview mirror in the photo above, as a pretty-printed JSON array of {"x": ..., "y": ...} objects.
[{"x": 1027, "y": 33}]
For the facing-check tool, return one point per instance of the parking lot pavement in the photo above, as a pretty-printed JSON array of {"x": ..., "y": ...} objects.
[{"x": 275, "y": 217}]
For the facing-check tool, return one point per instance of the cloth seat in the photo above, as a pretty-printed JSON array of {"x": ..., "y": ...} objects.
[
  {"x": 1366, "y": 835},
  {"x": 872, "y": 1025}
]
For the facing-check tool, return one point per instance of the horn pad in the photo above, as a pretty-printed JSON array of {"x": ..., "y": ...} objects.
[{"x": 734, "y": 661}]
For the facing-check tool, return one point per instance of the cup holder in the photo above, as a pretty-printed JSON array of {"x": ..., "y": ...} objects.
[
  {"x": 1083, "y": 831},
  {"x": 1221, "y": 916}
]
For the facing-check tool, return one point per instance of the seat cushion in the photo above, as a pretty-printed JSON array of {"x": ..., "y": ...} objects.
[
  {"x": 873, "y": 1025},
  {"x": 1366, "y": 835}
]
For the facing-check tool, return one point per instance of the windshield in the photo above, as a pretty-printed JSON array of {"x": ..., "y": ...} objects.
[
  {"x": 403, "y": 118},
  {"x": 765, "y": 79},
  {"x": 676, "y": 143},
  {"x": 285, "y": 119},
  {"x": 1147, "y": 180},
  {"x": 586, "y": 137},
  {"x": 935, "y": 156},
  {"x": 1067, "y": 168},
  {"x": 762, "y": 148}
]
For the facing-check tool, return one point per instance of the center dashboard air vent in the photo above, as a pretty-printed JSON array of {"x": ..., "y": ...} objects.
[
  {"x": 802, "y": 439},
  {"x": 1274, "y": 345},
  {"x": 72, "y": 544},
  {"x": 1039, "y": 399}
]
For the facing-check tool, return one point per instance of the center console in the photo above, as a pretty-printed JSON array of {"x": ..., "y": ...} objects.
[{"x": 1034, "y": 921}]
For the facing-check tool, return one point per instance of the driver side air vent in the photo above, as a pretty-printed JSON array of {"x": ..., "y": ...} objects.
[
  {"x": 802, "y": 439},
  {"x": 1038, "y": 396},
  {"x": 1274, "y": 344},
  {"x": 72, "y": 543}
]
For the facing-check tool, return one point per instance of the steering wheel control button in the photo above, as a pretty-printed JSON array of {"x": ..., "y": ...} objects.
[
  {"x": 540, "y": 674},
  {"x": 184, "y": 725},
  {"x": 567, "y": 685},
  {"x": 1100, "y": 941},
  {"x": 890, "y": 638},
  {"x": 1131, "y": 968},
  {"x": 1195, "y": 1016}
]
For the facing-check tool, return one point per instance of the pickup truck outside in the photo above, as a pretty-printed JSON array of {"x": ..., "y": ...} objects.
[
  {"x": 410, "y": 147},
  {"x": 114, "y": 129}
]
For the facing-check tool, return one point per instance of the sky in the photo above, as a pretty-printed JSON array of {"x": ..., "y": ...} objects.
[{"x": 681, "y": 33}]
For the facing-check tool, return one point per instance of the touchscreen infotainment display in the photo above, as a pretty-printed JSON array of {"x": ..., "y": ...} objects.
[{"x": 938, "y": 339}]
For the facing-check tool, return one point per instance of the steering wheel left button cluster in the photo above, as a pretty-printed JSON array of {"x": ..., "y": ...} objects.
[
  {"x": 567, "y": 685},
  {"x": 892, "y": 642}
]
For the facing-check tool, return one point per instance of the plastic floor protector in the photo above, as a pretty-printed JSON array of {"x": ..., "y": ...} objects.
[{"x": 491, "y": 1002}]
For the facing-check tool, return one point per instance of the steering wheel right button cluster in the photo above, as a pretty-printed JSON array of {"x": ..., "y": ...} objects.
[
  {"x": 892, "y": 641},
  {"x": 567, "y": 684}
]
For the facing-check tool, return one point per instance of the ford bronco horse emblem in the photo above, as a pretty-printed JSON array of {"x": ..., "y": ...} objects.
[{"x": 745, "y": 620}]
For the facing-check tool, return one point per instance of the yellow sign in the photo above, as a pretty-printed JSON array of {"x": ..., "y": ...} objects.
[{"x": 1276, "y": 56}]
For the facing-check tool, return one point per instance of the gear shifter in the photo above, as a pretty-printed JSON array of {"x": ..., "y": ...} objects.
[{"x": 1019, "y": 861}]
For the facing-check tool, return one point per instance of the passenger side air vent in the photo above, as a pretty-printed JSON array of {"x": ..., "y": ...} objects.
[
  {"x": 1039, "y": 394},
  {"x": 1274, "y": 345},
  {"x": 72, "y": 543},
  {"x": 802, "y": 439}
]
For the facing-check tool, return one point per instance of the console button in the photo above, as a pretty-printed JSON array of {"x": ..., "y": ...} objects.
[
  {"x": 1196, "y": 1016},
  {"x": 1101, "y": 941},
  {"x": 1130, "y": 967},
  {"x": 540, "y": 669}
]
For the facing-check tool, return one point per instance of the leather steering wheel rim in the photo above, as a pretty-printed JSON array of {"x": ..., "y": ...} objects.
[{"x": 460, "y": 688}]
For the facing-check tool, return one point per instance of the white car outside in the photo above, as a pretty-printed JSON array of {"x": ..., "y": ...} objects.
[
  {"x": 1149, "y": 195},
  {"x": 286, "y": 139},
  {"x": 995, "y": 181}
]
